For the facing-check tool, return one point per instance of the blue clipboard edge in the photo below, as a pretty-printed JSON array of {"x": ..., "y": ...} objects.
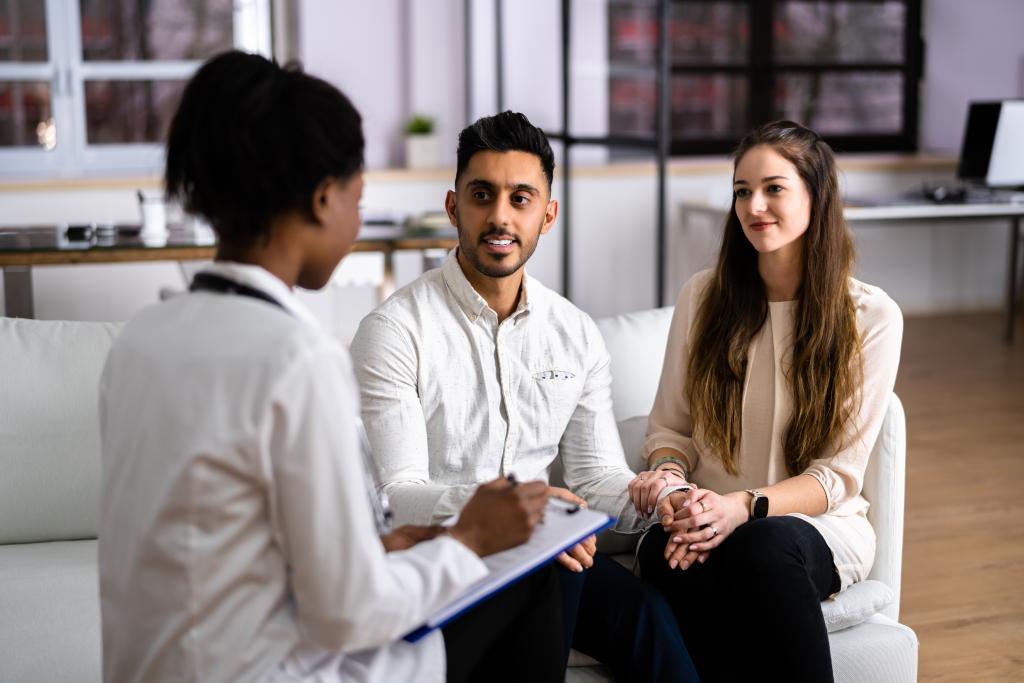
[{"x": 418, "y": 633}]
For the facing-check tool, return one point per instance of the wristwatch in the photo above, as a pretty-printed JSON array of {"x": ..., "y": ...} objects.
[{"x": 758, "y": 504}]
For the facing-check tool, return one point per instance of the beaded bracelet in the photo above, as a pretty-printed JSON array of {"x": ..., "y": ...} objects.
[
  {"x": 673, "y": 459},
  {"x": 673, "y": 470}
]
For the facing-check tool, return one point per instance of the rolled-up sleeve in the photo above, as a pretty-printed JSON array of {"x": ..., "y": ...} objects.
[
  {"x": 670, "y": 424},
  {"x": 841, "y": 473},
  {"x": 386, "y": 361}
]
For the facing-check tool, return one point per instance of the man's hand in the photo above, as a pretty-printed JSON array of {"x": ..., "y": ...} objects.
[
  {"x": 407, "y": 536},
  {"x": 581, "y": 555},
  {"x": 500, "y": 515}
]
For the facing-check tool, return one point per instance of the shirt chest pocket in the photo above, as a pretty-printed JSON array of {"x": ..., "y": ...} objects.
[{"x": 554, "y": 392}]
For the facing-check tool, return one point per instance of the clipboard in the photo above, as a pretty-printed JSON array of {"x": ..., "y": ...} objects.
[{"x": 564, "y": 526}]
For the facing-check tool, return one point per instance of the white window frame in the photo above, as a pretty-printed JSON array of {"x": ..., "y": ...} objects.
[{"x": 67, "y": 74}]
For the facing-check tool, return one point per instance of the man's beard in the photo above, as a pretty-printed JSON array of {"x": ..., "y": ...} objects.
[{"x": 500, "y": 269}]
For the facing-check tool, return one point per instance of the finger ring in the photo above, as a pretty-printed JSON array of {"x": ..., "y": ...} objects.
[
  {"x": 703, "y": 507},
  {"x": 664, "y": 480},
  {"x": 714, "y": 532}
]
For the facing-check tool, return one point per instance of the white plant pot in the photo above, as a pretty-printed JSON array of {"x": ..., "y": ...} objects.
[{"x": 422, "y": 151}]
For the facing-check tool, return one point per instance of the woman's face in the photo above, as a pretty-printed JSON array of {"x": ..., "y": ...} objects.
[
  {"x": 337, "y": 212},
  {"x": 772, "y": 202}
]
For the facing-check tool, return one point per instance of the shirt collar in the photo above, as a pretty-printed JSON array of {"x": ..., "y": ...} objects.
[
  {"x": 469, "y": 300},
  {"x": 262, "y": 279}
]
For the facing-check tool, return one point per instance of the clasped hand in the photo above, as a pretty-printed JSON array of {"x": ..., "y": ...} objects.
[{"x": 699, "y": 522}]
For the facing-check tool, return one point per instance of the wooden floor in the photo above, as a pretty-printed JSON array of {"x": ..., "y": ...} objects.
[{"x": 963, "y": 570}]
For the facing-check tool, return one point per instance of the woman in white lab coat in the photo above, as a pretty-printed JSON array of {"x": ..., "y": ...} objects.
[{"x": 239, "y": 536}]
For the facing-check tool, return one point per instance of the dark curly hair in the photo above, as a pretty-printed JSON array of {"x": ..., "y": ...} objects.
[{"x": 252, "y": 140}]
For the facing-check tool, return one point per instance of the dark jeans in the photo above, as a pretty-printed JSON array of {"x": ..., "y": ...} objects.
[
  {"x": 623, "y": 623},
  {"x": 752, "y": 611},
  {"x": 515, "y": 635}
]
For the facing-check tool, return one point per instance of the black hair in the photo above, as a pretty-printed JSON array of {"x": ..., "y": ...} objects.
[
  {"x": 508, "y": 131},
  {"x": 252, "y": 140}
]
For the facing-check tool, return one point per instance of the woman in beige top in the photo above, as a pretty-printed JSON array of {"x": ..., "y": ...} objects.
[{"x": 776, "y": 379}]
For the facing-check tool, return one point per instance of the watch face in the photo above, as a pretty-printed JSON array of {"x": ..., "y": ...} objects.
[{"x": 760, "y": 507}]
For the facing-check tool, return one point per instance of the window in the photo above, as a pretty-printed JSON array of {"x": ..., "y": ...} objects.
[
  {"x": 90, "y": 85},
  {"x": 847, "y": 68}
]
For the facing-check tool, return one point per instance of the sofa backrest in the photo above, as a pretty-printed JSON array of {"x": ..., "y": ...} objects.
[
  {"x": 49, "y": 428},
  {"x": 636, "y": 342},
  {"x": 885, "y": 483}
]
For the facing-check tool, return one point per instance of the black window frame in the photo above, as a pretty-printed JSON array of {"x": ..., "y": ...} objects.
[{"x": 761, "y": 72}]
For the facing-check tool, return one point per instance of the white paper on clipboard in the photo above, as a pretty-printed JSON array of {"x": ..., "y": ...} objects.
[{"x": 564, "y": 526}]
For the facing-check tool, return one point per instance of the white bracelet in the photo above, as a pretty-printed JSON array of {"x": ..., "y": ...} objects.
[{"x": 672, "y": 489}]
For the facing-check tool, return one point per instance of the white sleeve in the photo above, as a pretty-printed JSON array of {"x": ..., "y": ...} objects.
[
  {"x": 841, "y": 472},
  {"x": 349, "y": 594},
  {"x": 386, "y": 363}
]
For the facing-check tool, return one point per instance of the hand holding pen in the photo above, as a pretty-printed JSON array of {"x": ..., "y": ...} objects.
[{"x": 501, "y": 515}]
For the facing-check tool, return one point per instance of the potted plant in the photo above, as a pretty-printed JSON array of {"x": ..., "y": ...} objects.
[{"x": 421, "y": 148}]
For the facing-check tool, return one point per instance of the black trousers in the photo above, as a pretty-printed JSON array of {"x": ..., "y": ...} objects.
[
  {"x": 515, "y": 635},
  {"x": 623, "y": 623},
  {"x": 752, "y": 611}
]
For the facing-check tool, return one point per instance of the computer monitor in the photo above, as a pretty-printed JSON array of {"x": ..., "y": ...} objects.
[
  {"x": 1006, "y": 169},
  {"x": 993, "y": 147}
]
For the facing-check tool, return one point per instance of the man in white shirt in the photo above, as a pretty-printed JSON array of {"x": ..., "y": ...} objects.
[
  {"x": 237, "y": 532},
  {"x": 476, "y": 371}
]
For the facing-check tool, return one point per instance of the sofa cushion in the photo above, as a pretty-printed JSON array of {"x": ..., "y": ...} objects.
[
  {"x": 879, "y": 650},
  {"x": 633, "y": 433},
  {"x": 50, "y": 612},
  {"x": 636, "y": 343},
  {"x": 49, "y": 428},
  {"x": 855, "y": 604}
]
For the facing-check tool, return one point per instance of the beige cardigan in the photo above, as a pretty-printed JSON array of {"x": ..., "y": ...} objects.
[{"x": 767, "y": 409}]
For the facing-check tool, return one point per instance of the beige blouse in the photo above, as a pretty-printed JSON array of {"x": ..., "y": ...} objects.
[{"x": 767, "y": 409}]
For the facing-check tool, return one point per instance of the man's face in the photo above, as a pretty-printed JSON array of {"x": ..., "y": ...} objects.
[{"x": 501, "y": 206}]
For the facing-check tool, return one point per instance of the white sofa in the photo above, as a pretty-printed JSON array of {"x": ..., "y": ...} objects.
[
  {"x": 49, "y": 500},
  {"x": 867, "y": 641}
]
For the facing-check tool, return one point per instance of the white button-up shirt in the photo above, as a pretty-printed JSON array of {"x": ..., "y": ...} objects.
[
  {"x": 237, "y": 540},
  {"x": 452, "y": 398}
]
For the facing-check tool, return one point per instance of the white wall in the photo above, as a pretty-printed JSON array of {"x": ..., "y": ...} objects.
[
  {"x": 975, "y": 50},
  {"x": 360, "y": 47}
]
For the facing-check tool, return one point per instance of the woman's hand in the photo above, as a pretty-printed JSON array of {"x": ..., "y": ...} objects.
[
  {"x": 644, "y": 489},
  {"x": 702, "y": 524}
]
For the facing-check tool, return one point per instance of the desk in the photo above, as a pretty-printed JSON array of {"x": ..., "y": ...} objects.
[
  {"x": 22, "y": 248},
  {"x": 900, "y": 211}
]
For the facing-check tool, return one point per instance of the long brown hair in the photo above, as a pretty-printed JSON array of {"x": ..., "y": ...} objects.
[{"x": 826, "y": 367}]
